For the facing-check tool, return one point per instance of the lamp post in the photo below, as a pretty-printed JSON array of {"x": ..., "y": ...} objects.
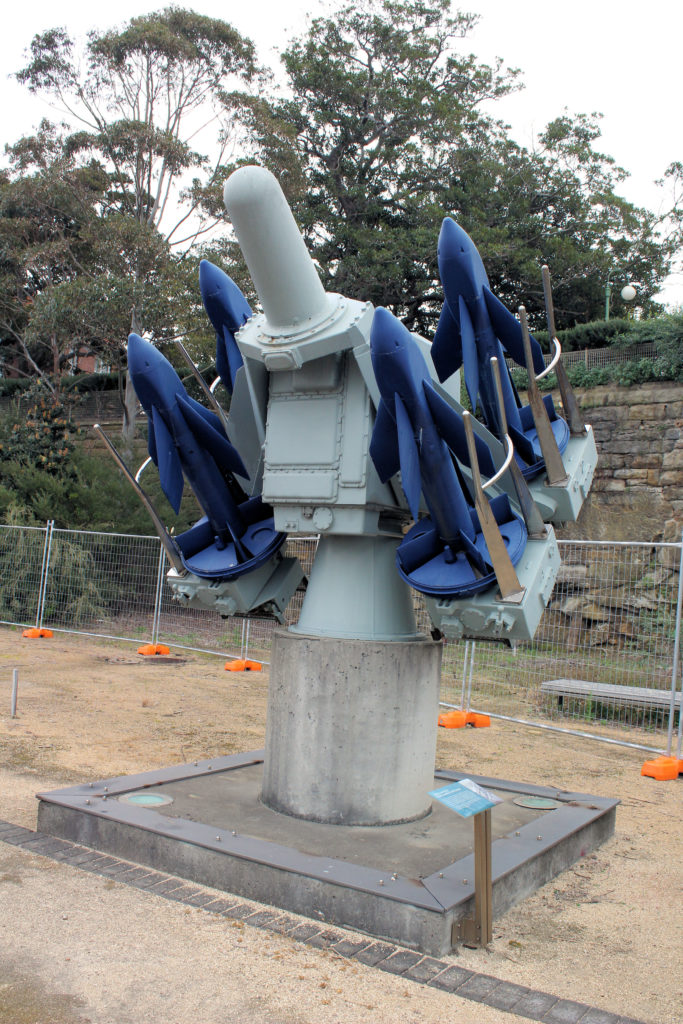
[{"x": 628, "y": 294}]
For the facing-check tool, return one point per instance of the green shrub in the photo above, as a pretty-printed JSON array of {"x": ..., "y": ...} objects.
[
  {"x": 596, "y": 334},
  {"x": 37, "y": 432},
  {"x": 10, "y": 386}
]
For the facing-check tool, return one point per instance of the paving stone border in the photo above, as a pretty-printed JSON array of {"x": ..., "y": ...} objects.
[{"x": 406, "y": 963}]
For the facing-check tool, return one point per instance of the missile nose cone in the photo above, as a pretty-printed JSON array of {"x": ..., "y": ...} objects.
[
  {"x": 453, "y": 240},
  {"x": 209, "y": 277},
  {"x": 154, "y": 379},
  {"x": 460, "y": 266},
  {"x": 383, "y": 320},
  {"x": 141, "y": 354},
  {"x": 386, "y": 331},
  {"x": 225, "y": 304}
]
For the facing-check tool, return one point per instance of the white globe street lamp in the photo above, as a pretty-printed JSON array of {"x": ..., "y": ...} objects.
[{"x": 628, "y": 294}]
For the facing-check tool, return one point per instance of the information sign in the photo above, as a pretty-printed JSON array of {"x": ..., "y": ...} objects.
[{"x": 466, "y": 798}]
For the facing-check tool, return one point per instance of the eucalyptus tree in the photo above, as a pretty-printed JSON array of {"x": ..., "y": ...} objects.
[{"x": 134, "y": 102}]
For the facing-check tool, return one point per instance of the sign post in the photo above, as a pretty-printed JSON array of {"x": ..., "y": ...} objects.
[
  {"x": 483, "y": 886},
  {"x": 469, "y": 800}
]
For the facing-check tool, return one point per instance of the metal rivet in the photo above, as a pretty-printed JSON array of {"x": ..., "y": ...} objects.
[
  {"x": 440, "y": 874},
  {"x": 91, "y": 784},
  {"x": 465, "y": 881},
  {"x": 381, "y": 881},
  {"x": 218, "y": 839},
  {"x": 539, "y": 838},
  {"x": 87, "y": 801},
  {"x": 234, "y": 833},
  {"x": 106, "y": 789},
  {"x": 196, "y": 763},
  {"x": 518, "y": 833}
]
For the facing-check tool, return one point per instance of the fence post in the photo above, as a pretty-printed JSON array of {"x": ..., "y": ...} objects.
[
  {"x": 157, "y": 597},
  {"x": 464, "y": 676},
  {"x": 467, "y": 700},
  {"x": 676, "y": 659},
  {"x": 44, "y": 571},
  {"x": 15, "y": 689}
]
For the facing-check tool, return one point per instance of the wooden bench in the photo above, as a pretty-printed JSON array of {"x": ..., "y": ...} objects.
[{"x": 609, "y": 693}]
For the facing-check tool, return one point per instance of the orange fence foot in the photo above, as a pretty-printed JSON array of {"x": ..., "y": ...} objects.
[
  {"x": 34, "y": 632},
  {"x": 240, "y": 665},
  {"x": 477, "y": 720},
  {"x": 664, "y": 769},
  {"x": 459, "y": 719},
  {"x": 453, "y": 719},
  {"x": 153, "y": 649}
]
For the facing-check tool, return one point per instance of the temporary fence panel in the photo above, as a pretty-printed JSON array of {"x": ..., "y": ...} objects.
[
  {"x": 101, "y": 584},
  {"x": 193, "y": 628},
  {"x": 22, "y": 573},
  {"x": 606, "y": 651},
  {"x": 613, "y": 622}
]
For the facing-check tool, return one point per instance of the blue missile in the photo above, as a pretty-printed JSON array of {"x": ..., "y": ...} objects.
[
  {"x": 227, "y": 309},
  {"x": 474, "y": 327},
  {"x": 416, "y": 431},
  {"x": 188, "y": 442}
]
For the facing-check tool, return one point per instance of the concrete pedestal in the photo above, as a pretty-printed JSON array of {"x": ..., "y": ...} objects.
[{"x": 351, "y": 730}]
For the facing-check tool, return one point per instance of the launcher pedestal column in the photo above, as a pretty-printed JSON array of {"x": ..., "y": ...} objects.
[{"x": 351, "y": 732}]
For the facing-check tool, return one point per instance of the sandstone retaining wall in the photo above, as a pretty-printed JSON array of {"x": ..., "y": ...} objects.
[{"x": 638, "y": 487}]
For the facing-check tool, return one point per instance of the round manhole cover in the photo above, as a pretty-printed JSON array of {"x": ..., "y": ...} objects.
[
  {"x": 537, "y": 803},
  {"x": 146, "y": 799}
]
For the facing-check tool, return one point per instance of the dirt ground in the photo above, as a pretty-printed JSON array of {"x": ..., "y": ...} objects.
[{"x": 606, "y": 932}]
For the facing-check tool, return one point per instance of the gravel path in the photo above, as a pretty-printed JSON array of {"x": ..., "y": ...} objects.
[{"x": 78, "y": 947}]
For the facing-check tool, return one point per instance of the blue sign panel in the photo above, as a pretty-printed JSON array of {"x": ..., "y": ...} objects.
[{"x": 465, "y": 798}]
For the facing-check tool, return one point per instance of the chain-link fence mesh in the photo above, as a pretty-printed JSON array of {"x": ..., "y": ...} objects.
[
  {"x": 609, "y": 633},
  {"x": 101, "y": 583},
  {"x": 22, "y": 554},
  {"x": 237, "y": 637},
  {"x": 595, "y": 357}
]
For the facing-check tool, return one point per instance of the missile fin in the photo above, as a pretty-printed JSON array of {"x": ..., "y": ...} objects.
[
  {"x": 207, "y": 415},
  {"x": 167, "y": 462},
  {"x": 234, "y": 355},
  {"x": 523, "y": 446},
  {"x": 446, "y": 349},
  {"x": 384, "y": 444},
  {"x": 469, "y": 353},
  {"x": 410, "y": 458},
  {"x": 451, "y": 428},
  {"x": 212, "y": 440},
  {"x": 151, "y": 441},
  {"x": 473, "y": 553},
  {"x": 509, "y": 331},
  {"x": 228, "y": 358}
]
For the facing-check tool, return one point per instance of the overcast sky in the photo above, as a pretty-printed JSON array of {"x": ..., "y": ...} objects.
[{"x": 620, "y": 59}]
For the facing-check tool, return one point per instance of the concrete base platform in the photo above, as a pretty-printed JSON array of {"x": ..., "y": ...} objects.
[{"x": 411, "y": 882}]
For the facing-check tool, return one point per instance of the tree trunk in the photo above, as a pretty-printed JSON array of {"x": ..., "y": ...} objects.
[{"x": 130, "y": 405}]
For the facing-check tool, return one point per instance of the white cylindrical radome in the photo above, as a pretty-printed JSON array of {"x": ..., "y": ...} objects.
[{"x": 280, "y": 265}]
